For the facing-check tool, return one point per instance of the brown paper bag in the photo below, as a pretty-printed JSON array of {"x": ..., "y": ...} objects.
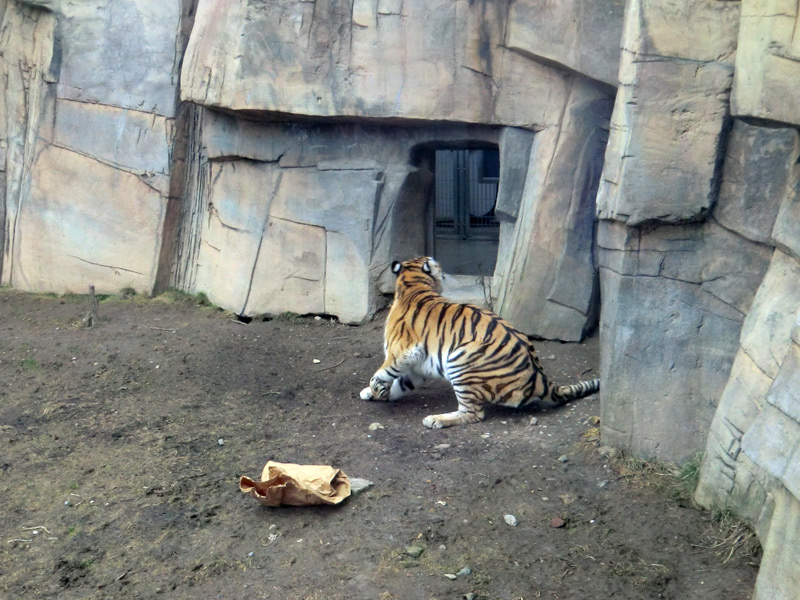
[{"x": 297, "y": 485}]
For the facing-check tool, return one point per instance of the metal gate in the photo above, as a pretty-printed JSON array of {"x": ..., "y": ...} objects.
[{"x": 466, "y": 229}]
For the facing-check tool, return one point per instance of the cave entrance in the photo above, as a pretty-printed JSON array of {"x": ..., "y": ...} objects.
[{"x": 466, "y": 232}]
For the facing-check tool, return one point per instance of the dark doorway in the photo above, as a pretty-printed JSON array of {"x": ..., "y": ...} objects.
[{"x": 466, "y": 230}]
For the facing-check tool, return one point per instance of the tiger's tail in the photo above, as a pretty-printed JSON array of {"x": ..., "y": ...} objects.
[{"x": 561, "y": 394}]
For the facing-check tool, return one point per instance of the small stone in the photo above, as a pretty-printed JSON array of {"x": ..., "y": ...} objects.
[
  {"x": 358, "y": 485},
  {"x": 511, "y": 520},
  {"x": 441, "y": 446},
  {"x": 221, "y": 442},
  {"x": 593, "y": 421},
  {"x": 557, "y": 522},
  {"x": 533, "y": 421},
  {"x": 414, "y": 551},
  {"x": 316, "y": 361},
  {"x": 464, "y": 572},
  {"x": 486, "y": 436},
  {"x": 469, "y": 596},
  {"x": 375, "y": 426},
  {"x": 563, "y": 458},
  {"x": 442, "y": 547},
  {"x": 603, "y": 483},
  {"x": 318, "y": 318},
  {"x": 450, "y": 576}
]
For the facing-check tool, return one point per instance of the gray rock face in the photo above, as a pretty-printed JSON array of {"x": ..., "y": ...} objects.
[
  {"x": 553, "y": 296},
  {"x": 728, "y": 476},
  {"x": 755, "y": 179},
  {"x": 674, "y": 299}
]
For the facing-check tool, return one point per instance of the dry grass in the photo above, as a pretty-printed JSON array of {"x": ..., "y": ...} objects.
[{"x": 731, "y": 539}]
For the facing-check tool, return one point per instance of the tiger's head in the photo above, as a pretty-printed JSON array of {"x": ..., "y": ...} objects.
[{"x": 423, "y": 271}]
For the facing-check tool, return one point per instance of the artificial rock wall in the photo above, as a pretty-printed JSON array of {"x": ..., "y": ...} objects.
[
  {"x": 288, "y": 162},
  {"x": 277, "y": 156},
  {"x": 699, "y": 264}
]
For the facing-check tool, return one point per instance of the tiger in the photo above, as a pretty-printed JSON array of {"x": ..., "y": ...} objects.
[{"x": 485, "y": 359}]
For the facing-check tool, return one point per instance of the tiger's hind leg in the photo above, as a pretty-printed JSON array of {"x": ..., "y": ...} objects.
[{"x": 470, "y": 409}]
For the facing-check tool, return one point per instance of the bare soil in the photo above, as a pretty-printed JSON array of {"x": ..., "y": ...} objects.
[{"x": 122, "y": 445}]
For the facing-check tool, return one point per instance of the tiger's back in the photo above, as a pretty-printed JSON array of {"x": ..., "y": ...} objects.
[{"x": 485, "y": 359}]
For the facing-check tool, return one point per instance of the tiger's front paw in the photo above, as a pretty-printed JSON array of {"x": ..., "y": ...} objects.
[
  {"x": 432, "y": 422},
  {"x": 366, "y": 394},
  {"x": 378, "y": 389}
]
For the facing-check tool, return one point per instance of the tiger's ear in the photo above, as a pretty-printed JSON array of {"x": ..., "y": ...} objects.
[
  {"x": 396, "y": 267},
  {"x": 426, "y": 267}
]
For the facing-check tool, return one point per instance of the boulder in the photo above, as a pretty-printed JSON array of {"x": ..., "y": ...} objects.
[
  {"x": 670, "y": 112},
  {"x": 786, "y": 233},
  {"x": 121, "y": 53},
  {"x": 582, "y": 35},
  {"x": 728, "y": 477},
  {"x": 772, "y": 441},
  {"x": 88, "y": 111},
  {"x": 765, "y": 334},
  {"x": 779, "y": 573},
  {"x": 515, "y": 154},
  {"x": 767, "y": 81},
  {"x": 553, "y": 295},
  {"x": 436, "y": 60},
  {"x": 86, "y": 239},
  {"x": 137, "y": 142}
]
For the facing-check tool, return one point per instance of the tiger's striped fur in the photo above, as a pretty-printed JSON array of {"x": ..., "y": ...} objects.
[{"x": 485, "y": 359}]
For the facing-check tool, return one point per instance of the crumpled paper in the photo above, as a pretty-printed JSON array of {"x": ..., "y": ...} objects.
[{"x": 297, "y": 485}]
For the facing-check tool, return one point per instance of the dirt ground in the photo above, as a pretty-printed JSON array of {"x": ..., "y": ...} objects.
[{"x": 122, "y": 445}]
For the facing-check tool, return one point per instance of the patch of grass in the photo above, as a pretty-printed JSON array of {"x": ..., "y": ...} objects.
[
  {"x": 202, "y": 299},
  {"x": 173, "y": 296},
  {"x": 289, "y": 317},
  {"x": 30, "y": 364},
  {"x": 213, "y": 569}
]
